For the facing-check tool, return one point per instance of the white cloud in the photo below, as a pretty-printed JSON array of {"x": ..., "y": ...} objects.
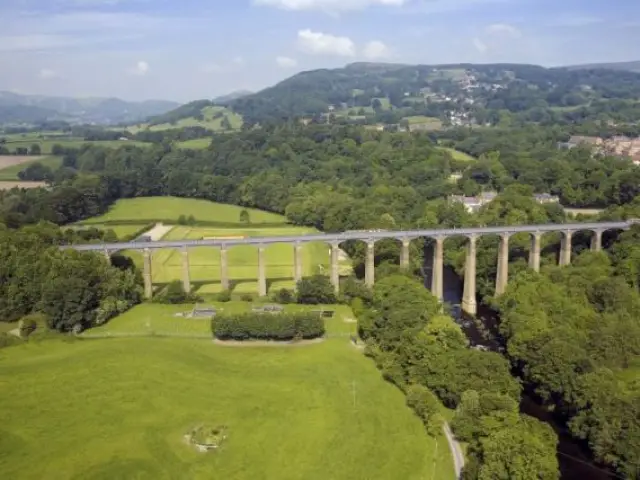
[
  {"x": 503, "y": 29},
  {"x": 376, "y": 50},
  {"x": 141, "y": 68},
  {"x": 286, "y": 62},
  {"x": 317, "y": 43},
  {"x": 47, "y": 73},
  {"x": 329, "y": 5},
  {"x": 480, "y": 45}
]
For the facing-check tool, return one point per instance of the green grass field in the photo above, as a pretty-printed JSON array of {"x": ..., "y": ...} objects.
[
  {"x": 204, "y": 262},
  {"x": 148, "y": 209},
  {"x": 209, "y": 122},
  {"x": 11, "y": 173},
  {"x": 120, "y": 230},
  {"x": 458, "y": 155},
  {"x": 195, "y": 144},
  {"x": 119, "y": 408},
  {"x": 418, "y": 119},
  {"x": 47, "y": 144}
]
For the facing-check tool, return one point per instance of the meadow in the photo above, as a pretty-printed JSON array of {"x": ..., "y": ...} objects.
[
  {"x": 195, "y": 144},
  {"x": 47, "y": 143},
  {"x": 119, "y": 408},
  {"x": 209, "y": 121},
  {"x": 458, "y": 155},
  {"x": 204, "y": 262},
  {"x": 146, "y": 209},
  {"x": 9, "y": 168}
]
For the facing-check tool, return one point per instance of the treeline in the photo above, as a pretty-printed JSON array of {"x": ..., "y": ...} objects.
[
  {"x": 73, "y": 290},
  {"x": 422, "y": 351},
  {"x": 574, "y": 334},
  {"x": 278, "y": 326}
]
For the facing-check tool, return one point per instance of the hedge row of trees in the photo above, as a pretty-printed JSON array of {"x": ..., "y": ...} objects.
[
  {"x": 424, "y": 353},
  {"x": 268, "y": 326}
]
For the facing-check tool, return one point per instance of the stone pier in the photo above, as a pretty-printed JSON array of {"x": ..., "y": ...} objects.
[
  {"x": 596, "y": 241},
  {"x": 224, "y": 268},
  {"x": 502, "y": 277},
  {"x": 469, "y": 304},
  {"x": 186, "y": 278},
  {"x": 335, "y": 273},
  {"x": 369, "y": 267},
  {"x": 437, "y": 269},
  {"x": 297, "y": 264},
  {"x": 146, "y": 274},
  {"x": 262, "y": 273},
  {"x": 565, "y": 248},
  {"x": 534, "y": 252},
  {"x": 404, "y": 255}
]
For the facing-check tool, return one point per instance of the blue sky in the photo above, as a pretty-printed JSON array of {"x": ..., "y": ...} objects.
[{"x": 189, "y": 49}]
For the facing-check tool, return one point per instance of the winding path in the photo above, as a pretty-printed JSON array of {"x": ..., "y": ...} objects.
[{"x": 455, "y": 448}]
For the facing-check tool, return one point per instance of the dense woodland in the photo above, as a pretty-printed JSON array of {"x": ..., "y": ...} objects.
[{"x": 572, "y": 335}]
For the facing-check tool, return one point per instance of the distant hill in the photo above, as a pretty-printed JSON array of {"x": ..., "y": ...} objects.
[
  {"x": 17, "y": 108},
  {"x": 628, "y": 66},
  {"x": 456, "y": 93},
  {"x": 224, "y": 99}
]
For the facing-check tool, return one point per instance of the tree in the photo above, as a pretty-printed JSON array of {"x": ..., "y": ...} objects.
[
  {"x": 245, "y": 218},
  {"x": 35, "y": 149},
  {"x": 316, "y": 289},
  {"x": 226, "y": 124}
]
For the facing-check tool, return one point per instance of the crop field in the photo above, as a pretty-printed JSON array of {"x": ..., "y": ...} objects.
[
  {"x": 147, "y": 209},
  {"x": 204, "y": 262},
  {"x": 209, "y": 121},
  {"x": 11, "y": 165},
  {"x": 120, "y": 407}
]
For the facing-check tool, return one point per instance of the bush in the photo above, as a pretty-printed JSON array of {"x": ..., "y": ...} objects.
[
  {"x": 316, "y": 290},
  {"x": 31, "y": 323},
  {"x": 284, "y": 296},
  {"x": 426, "y": 406},
  {"x": 268, "y": 326},
  {"x": 246, "y": 297},
  {"x": 224, "y": 296},
  {"x": 174, "y": 293}
]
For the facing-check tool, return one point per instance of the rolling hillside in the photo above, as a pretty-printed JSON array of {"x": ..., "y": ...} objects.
[
  {"x": 201, "y": 113},
  {"x": 627, "y": 66}
]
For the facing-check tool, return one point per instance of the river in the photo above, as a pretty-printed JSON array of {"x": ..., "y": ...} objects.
[{"x": 573, "y": 457}]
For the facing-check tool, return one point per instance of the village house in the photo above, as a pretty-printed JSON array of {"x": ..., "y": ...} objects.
[{"x": 473, "y": 204}]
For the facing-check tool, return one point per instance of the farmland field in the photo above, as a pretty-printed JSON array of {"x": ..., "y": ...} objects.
[
  {"x": 195, "y": 144},
  {"x": 146, "y": 209},
  {"x": 68, "y": 142},
  {"x": 208, "y": 122},
  {"x": 8, "y": 185},
  {"x": 119, "y": 408},
  {"x": 11, "y": 165},
  {"x": 204, "y": 262},
  {"x": 120, "y": 230}
]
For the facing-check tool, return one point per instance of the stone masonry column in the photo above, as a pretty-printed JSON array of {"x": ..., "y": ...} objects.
[
  {"x": 565, "y": 248},
  {"x": 534, "y": 253},
  {"x": 224, "y": 268},
  {"x": 469, "y": 304},
  {"x": 404, "y": 255},
  {"x": 369, "y": 267},
  {"x": 596, "y": 241},
  {"x": 146, "y": 274},
  {"x": 297, "y": 264},
  {"x": 335, "y": 273},
  {"x": 262, "y": 275},
  {"x": 437, "y": 284},
  {"x": 502, "y": 277},
  {"x": 186, "y": 278}
]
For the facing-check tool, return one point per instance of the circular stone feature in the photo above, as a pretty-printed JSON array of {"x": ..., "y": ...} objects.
[{"x": 206, "y": 437}]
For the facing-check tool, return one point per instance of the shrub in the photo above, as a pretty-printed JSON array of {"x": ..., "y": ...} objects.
[
  {"x": 268, "y": 326},
  {"x": 246, "y": 297},
  {"x": 284, "y": 296},
  {"x": 31, "y": 323},
  {"x": 426, "y": 406},
  {"x": 224, "y": 296},
  {"x": 174, "y": 293},
  {"x": 315, "y": 290}
]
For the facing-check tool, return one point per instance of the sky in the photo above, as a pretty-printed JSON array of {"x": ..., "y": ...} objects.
[{"x": 191, "y": 49}]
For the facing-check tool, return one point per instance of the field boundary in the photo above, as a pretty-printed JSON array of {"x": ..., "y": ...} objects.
[
  {"x": 197, "y": 223},
  {"x": 208, "y": 336}
]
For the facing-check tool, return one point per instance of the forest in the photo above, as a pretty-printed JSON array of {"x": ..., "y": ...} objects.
[{"x": 572, "y": 335}]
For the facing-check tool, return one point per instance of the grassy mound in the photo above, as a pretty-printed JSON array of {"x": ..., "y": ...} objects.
[{"x": 119, "y": 408}]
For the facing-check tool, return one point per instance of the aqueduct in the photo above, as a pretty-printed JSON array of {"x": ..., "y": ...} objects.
[{"x": 370, "y": 238}]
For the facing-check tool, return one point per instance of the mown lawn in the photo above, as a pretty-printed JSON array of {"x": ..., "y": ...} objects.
[
  {"x": 147, "y": 209},
  {"x": 204, "y": 262},
  {"x": 118, "y": 409}
]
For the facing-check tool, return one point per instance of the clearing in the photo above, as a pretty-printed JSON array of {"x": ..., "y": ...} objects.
[
  {"x": 195, "y": 144},
  {"x": 6, "y": 185},
  {"x": 119, "y": 408},
  {"x": 9, "y": 169},
  {"x": 458, "y": 155},
  {"x": 148, "y": 209},
  {"x": 212, "y": 118}
]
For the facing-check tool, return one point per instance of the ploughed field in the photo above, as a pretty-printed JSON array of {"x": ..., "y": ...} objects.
[{"x": 119, "y": 408}]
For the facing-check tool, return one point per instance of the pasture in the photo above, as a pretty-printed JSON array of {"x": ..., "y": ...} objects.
[
  {"x": 195, "y": 144},
  {"x": 11, "y": 165},
  {"x": 458, "y": 155},
  {"x": 147, "y": 209},
  {"x": 204, "y": 262},
  {"x": 119, "y": 408},
  {"x": 47, "y": 143},
  {"x": 212, "y": 117}
]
